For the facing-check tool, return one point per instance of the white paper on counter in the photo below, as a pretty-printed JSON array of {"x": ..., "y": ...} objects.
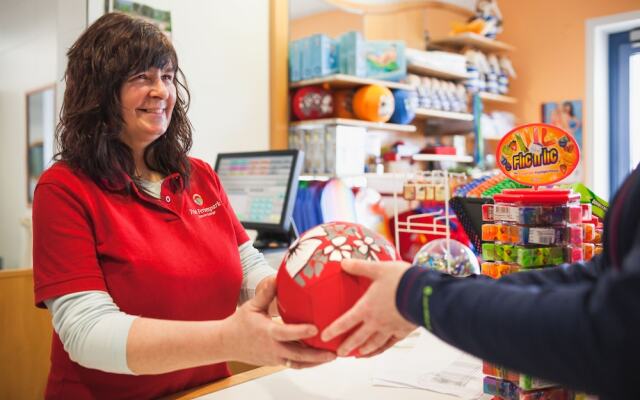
[{"x": 417, "y": 363}]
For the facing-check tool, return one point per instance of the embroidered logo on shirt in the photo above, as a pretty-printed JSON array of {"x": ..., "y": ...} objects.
[
  {"x": 205, "y": 211},
  {"x": 198, "y": 199}
]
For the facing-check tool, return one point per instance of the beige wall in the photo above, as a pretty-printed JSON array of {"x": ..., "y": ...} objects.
[
  {"x": 550, "y": 39},
  {"x": 405, "y": 25},
  {"x": 331, "y": 23}
]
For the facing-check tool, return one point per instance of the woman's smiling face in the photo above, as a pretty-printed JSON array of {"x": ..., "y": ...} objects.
[{"x": 147, "y": 100}]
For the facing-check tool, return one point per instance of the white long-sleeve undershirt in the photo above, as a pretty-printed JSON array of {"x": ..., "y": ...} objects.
[{"x": 94, "y": 331}]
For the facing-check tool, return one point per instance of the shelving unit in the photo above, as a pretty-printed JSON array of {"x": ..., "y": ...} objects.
[
  {"x": 435, "y": 73},
  {"x": 478, "y": 100},
  {"x": 497, "y": 98},
  {"x": 354, "y": 122},
  {"x": 472, "y": 40},
  {"x": 437, "y": 122},
  {"x": 342, "y": 81},
  {"x": 351, "y": 180},
  {"x": 422, "y": 113},
  {"x": 442, "y": 157}
]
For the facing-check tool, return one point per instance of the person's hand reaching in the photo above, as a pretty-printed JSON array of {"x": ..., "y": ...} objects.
[{"x": 380, "y": 325}]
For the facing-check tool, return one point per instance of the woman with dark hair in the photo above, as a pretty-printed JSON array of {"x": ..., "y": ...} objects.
[{"x": 138, "y": 254}]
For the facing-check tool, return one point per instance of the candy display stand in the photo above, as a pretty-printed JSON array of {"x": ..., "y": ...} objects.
[{"x": 432, "y": 185}]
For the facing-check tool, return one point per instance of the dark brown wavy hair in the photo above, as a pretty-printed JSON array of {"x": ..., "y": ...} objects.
[{"x": 112, "y": 49}]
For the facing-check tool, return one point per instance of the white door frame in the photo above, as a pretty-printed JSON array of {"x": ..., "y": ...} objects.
[{"x": 597, "y": 96}]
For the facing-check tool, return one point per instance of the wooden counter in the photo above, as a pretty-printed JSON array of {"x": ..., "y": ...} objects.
[
  {"x": 25, "y": 338},
  {"x": 233, "y": 380}
]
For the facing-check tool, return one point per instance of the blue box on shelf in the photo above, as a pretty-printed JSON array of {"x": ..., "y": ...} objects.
[
  {"x": 385, "y": 59},
  {"x": 351, "y": 54},
  {"x": 305, "y": 57},
  {"x": 295, "y": 61},
  {"x": 323, "y": 51}
]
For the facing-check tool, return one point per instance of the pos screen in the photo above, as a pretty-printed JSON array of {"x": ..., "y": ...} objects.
[{"x": 262, "y": 188}]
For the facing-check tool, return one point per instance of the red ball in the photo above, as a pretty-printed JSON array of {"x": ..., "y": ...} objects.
[
  {"x": 313, "y": 288},
  {"x": 312, "y": 102}
]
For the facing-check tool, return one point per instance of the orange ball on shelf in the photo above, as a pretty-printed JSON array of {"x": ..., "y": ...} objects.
[{"x": 373, "y": 103}]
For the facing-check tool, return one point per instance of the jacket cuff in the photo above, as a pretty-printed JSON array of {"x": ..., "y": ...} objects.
[{"x": 413, "y": 293}]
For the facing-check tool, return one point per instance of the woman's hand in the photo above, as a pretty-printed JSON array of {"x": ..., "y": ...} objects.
[
  {"x": 273, "y": 306},
  {"x": 251, "y": 336},
  {"x": 381, "y": 325}
]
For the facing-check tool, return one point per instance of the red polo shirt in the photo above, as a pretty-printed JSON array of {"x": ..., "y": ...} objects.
[{"x": 172, "y": 258}]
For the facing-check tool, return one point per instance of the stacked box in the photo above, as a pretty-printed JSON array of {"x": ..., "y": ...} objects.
[
  {"x": 336, "y": 150},
  {"x": 345, "y": 153},
  {"x": 592, "y": 238},
  {"x": 524, "y": 382},
  {"x": 314, "y": 156},
  {"x": 319, "y": 55},
  {"x": 312, "y": 57},
  {"x": 532, "y": 229},
  {"x": 386, "y": 59},
  {"x": 323, "y": 56},
  {"x": 508, "y": 390},
  {"x": 528, "y": 229},
  {"x": 352, "y": 54}
]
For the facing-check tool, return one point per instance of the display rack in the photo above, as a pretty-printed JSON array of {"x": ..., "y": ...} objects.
[
  {"x": 348, "y": 81},
  {"x": 422, "y": 113},
  {"x": 497, "y": 98},
  {"x": 435, "y": 72},
  {"x": 353, "y": 122},
  {"x": 437, "y": 180},
  {"x": 469, "y": 39},
  {"x": 442, "y": 157}
]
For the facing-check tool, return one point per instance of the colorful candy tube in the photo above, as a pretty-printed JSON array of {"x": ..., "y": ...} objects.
[
  {"x": 524, "y": 382},
  {"x": 589, "y": 250},
  {"x": 488, "y": 251},
  {"x": 509, "y": 391},
  {"x": 496, "y": 270},
  {"x": 539, "y": 257},
  {"x": 487, "y": 212},
  {"x": 524, "y": 235}
]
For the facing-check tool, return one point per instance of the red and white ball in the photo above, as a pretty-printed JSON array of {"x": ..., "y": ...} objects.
[
  {"x": 312, "y": 102},
  {"x": 313, "y": 288}
]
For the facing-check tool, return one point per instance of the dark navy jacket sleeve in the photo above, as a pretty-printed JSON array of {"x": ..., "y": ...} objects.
[
  {"x": 583, "y": 335},
  {"x": 577, "y": 325}
]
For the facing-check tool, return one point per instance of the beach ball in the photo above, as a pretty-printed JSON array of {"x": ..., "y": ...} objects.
[
  {"x": 373, "y": 103},
  {"x": 406, "y": 102},
  {"x": 312, "y": 102},
  {"x": 311, "y": 285},
  {"x": 456, "y": 259}
]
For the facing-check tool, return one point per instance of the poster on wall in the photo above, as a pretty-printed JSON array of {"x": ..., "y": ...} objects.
[
  {"x": 566, "y": 115},
  {"x": 41, "y": 117},
  {"x": 160, "y": 18}
]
